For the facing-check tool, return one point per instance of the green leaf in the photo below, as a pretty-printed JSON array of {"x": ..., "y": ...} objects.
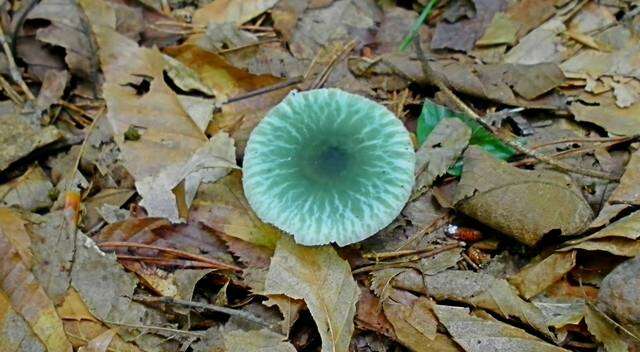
[
  {"x": 433, "y": 113},
  {"x": 426, "y": 11}
]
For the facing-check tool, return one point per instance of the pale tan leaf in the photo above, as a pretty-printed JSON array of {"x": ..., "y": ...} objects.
[
  {"x": 604, "y": 331},
  {"x": 619, "y": 238},
  {"x": 256, "y": 341},
  {"x": 15, "y": 333},
  {"x": 99, "y": 343},
  {"x": 628, "y": 191},
  {"x": 323, "y": 279},
  {"x": 29, "y": 191},
  {"x": 479, "y": 335}
]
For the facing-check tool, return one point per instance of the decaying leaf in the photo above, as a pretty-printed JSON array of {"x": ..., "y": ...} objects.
[
  {"x": 523, "y": 204},
  {"x": 475, "y": 334},
  {"x": 15, "y": 333},
  {"x": 604, "y": 331},
  {"x": 628, "y": 191},
  {"x": 536, "y": 277},
  {"x": 320, "y": 277}
]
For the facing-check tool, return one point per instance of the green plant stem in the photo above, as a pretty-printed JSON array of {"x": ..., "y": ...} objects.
[{"x": 426, "y": 11}]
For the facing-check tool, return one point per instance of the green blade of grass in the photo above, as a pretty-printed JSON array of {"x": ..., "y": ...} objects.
[{"x": 416, "y": 26}]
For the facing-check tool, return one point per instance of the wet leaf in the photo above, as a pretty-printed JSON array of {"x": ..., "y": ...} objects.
[
  {"x": 475, "y": 334},
  {"x": 320, "y": 277},
  {"x": 522, "y": 204}
]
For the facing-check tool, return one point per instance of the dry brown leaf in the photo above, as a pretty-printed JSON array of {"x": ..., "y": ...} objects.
[
  {"x": 604, "y": 331},
  {"x": 536, "y": 277},
  {"x": 173, "y": 154},
  {"x": 99, "y": 343},
  {"x": 223, "y": 207},
  {"x": 21, "y": 291},
  {"x": 15, "y": 333},
  {"x": 238, "y": 12},
  {"x": 602, "y": 110},
  {"x": 523, "y": 204},
  {"x": 290, "y": 309},
  {"x": 112, "y": 196},
  {"x": 323, "y": 279},
  {"x": 619, "y": 292}
]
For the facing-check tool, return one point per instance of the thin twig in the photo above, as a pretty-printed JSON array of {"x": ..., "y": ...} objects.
[
  {"x": 258, "y": 43},
  {"x": 204, "y": 306},
  {"x": 436, "y": 224},
  {"x": 507, "y": 139},
  {"x": 265, "y": 90},
  {"x": 13, "y": 69},
  {"x": 416, "y": 257},
  {"x": 179, "y": 263},
  {"x": 159, "y": 328},
  {"x": 586, "y": 140},
  {"x": 10, "y": 92},
  {"x": 176, "y": 252}
]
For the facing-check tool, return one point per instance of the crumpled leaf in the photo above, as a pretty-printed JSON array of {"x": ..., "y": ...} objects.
[
  {"x": 475, "y": 334},
  {"x": 21, "y": 293},
  {"x": 536, "y": 277},
  {"x": 619, "y": 238},
  {"x": 522, "y": 204},
  {"x": 476, "y": 289},
  {"x": 223, "y": 207},
  {"x": 173, "y": 155},
  {"x": 29, "y": 191},
  {"x": 604, "y": 331},
  {"x": 432, "y": 114},
  {"x": 323, "y": 279},
  {"x": 21, "y": 135},
  {"x": 290, "y": 309},
  {"x": 256, "y": 341},
  {"x": 440, "y": 151},
  {"x": 238, "y": 12}
]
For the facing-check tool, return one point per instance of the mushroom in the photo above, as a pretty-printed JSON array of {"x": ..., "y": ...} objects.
[{"x": 328, "y": 166}]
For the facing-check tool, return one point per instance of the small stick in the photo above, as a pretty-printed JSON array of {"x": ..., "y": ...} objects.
[
  {"x": 265, "y": 90},
  {"x": 159, "y": 328},
  {"x": 11, "y": 93},
  {"x": 586, "y": 140},
  {"x": 175, "y": 252},
  {"x": 510, "y": 141},
  {"x": 436, "y": 224},
  {"x": 13, "y": 69},
  {"x": 431, "y": 253},
  {"x": 204, "y": 306},
  {"x": 229, "y": 50},
  {"x": 184, "y": 263}
]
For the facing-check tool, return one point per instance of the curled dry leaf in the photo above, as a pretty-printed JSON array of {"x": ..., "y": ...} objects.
[
  {"x": 324, "y": 281},
  {"x": 522, "y": 204},
  {"x": 619, "y": 238}
]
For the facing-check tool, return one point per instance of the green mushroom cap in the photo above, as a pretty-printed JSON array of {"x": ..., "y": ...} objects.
[{"x": 328, "y": 166}]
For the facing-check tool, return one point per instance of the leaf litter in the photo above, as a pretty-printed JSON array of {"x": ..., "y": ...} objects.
[{"x": 124, "y": 225}]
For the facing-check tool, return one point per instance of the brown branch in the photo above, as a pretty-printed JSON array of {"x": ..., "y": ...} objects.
[{"x": 431, "y": 76}]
